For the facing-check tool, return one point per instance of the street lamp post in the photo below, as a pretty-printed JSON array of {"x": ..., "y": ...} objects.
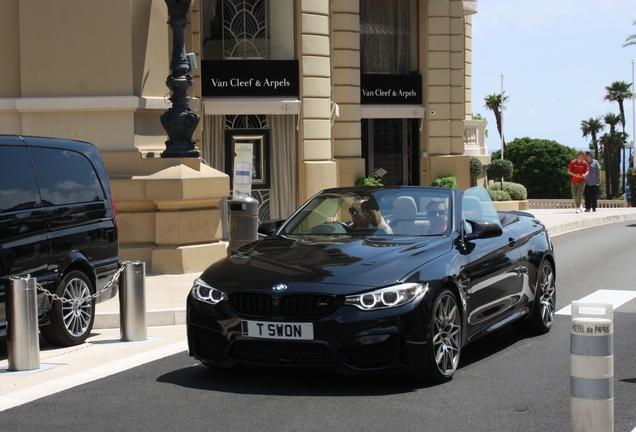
[
  {"x": 179, "y": 121},
  {"x": 501, "y": 107},
  {"x": 633, "y": 119}
]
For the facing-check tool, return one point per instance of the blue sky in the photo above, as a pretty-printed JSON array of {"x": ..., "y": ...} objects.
[{"x": 557, "y": 56}]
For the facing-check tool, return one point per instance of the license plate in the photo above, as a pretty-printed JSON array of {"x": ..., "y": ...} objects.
[{"x": 274, "y": 330}]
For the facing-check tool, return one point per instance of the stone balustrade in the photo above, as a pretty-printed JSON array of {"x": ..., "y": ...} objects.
[{"x": 569, "y": 203}]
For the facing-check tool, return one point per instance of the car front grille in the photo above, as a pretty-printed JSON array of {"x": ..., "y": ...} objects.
[
  {"x": 282, "y": 353},
  {"x": 290, "y": 306},
  {"x": 256, "y": 305}
]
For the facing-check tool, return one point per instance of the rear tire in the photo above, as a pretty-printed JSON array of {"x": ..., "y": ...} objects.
[
  {"x": 71, "y": 323},
  {"x": 544, "y": 304},
  {"x": 444, "y": 344}
]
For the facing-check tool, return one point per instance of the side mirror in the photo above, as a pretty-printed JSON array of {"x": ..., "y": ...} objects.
[
  {"x": 269, "y": 228},
  {"x": 483, "y": 229}
]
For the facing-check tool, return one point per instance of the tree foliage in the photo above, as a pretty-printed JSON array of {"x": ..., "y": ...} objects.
[
  {"x": 500, "y": 169},
  {"x": 617, "y": 92},
  {"x": 592, "y": 127},
  {"x": 541, "y": 166},
  {"x": 631, "y": 39},
  {"x": 476, "y": 168},
  {"x": 495, "y": 103}
]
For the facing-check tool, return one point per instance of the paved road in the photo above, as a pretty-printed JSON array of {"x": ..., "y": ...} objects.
[{"x": 505, "y": 382}]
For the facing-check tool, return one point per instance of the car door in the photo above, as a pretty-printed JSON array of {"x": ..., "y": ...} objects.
[
  {"x": 23, "y": 244},
  {"x": 493, "y": 278},
  {"x": 74, "y": 204}
]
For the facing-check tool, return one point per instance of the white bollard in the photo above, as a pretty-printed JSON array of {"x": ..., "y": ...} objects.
[{"x": 592, "y": 367}]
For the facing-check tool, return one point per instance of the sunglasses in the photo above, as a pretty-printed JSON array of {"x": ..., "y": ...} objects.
[
  {"x": 437, "y": 212},
  {"x": 354, "y": 211}
]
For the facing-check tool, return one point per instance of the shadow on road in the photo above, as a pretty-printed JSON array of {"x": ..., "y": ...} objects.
[{"x": 275, "y": 381}]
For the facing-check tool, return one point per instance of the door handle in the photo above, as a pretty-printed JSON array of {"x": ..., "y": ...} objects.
[{"x": 512, "y": 241}]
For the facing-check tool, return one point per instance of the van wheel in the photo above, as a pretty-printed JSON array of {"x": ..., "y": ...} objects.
[{"x": 71, "y": 323}]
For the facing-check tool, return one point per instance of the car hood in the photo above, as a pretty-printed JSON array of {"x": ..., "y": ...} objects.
[{"x": 303, "y": 262}]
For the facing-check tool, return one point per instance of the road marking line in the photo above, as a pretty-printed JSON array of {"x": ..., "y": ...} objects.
[
  {"x": 615, "y": 297},
  {"x": 29, "y": 394}
]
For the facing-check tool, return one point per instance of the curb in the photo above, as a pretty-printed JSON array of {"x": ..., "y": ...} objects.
[
  {"x": 587, "y": 223},
  {"x": 154, "y": 318}
]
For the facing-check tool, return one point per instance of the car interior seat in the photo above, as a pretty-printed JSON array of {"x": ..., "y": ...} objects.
[{"x": 404, "y": 217}]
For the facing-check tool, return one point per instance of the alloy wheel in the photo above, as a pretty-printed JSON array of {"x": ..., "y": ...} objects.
[
  {"x": 547, "y": 295},
  {"x": 77, "y": 315},
  {"x": 447, "y": 335}
]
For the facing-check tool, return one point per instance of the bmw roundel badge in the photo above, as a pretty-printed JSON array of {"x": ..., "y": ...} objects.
[{"x": 279, "y": 287}]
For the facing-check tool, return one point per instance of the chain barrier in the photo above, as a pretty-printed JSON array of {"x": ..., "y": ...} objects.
[{"x": 84, "y": 299}]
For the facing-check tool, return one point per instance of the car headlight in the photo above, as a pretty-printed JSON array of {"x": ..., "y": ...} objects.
[
  {"x": 207, "y": 294},
  {"x": 387, "y": 297}
]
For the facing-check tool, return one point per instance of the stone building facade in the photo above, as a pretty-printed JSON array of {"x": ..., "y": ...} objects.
[{"x": 325, "y": 91}]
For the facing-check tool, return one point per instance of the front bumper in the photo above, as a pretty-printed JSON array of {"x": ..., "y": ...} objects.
[{"x": 348, "y": 339}]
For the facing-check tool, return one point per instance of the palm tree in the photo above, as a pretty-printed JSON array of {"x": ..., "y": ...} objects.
[
  {"x": 495, "y": 103},
  {"x": 618, "y": 92},
  {"x": 611, "y": 154},
  {"x": 592, "y": 127},
  {"x": 631, "y": 39}
]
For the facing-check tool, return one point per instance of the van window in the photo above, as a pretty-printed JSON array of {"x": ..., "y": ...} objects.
[
  {"x": 65, "y": 177},
  {"x": 18, "y": 188}
]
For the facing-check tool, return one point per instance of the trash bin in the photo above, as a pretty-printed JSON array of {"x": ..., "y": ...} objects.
[{"x": 243, "y": 221}]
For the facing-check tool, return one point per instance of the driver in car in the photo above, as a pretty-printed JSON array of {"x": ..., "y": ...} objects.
[
  {"x": 365, "y": 214},
  {"x": 437, "y": 215}
]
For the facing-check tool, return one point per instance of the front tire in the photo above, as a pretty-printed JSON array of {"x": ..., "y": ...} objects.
[
  {"x": 444, "y": 342},
  {"x": 71, "y": 323},
  {"x": 544, "y": 304}
]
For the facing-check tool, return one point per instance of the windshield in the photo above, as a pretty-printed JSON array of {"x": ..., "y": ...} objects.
[{"x": 403, "y": 211}]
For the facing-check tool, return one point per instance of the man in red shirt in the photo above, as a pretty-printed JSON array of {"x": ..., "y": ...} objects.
[{"x": 578, "y": 170}]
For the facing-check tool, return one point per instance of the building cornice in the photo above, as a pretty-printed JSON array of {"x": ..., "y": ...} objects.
[{"x": 87, "y": 103}]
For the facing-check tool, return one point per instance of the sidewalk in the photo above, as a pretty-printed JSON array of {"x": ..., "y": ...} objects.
[{"x": 166, "y": 294}]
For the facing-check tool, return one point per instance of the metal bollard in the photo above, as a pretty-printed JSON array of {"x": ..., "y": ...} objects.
[
  {"x": 23, "y": 343},
  {"x": 592, "y": 367},
  {"x": 132, "y": 302}
]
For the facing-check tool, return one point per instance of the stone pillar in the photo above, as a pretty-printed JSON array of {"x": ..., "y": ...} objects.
[
  {"x": 468, "y": 65},
  {"x": 168, "y": 212},
  {"x": 318, "y": 170},
  {"x": 346, "y": 89},
  {"x": 443, "y": 66}
]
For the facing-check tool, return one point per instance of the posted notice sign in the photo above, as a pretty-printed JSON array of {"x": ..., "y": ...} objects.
[{"x": 242, "y": 170}]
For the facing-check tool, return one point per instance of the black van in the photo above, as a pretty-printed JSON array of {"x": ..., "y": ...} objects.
[{"x": 58, "y": 224}]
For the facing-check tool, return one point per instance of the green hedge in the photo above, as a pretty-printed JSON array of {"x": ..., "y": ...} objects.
[
  {"x": 516, "y": 191},
  {"x": 449, "y": 182},
  {"x": 369, "y": 181},
  {"x": 498, "y": 195}
]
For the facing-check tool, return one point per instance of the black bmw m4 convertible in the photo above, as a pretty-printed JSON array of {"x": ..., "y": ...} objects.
[{"x": 370, "y": 279}]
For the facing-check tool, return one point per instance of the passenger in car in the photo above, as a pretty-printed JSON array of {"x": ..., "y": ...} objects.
[
  {"x": 365, "y": 213},
  {"x": 437, "y": 214}
]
